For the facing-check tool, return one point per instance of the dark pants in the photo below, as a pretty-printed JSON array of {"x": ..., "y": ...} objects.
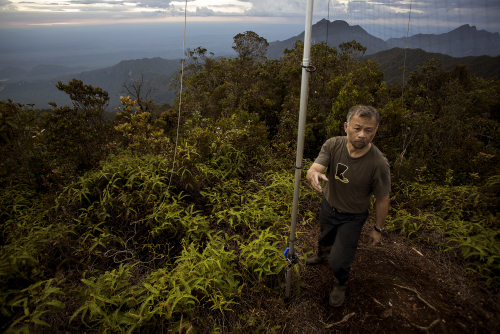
[{"x": 342, "y": 230}]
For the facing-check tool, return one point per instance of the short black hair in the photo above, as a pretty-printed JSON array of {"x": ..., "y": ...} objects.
[{"x": 365, "y": 112}]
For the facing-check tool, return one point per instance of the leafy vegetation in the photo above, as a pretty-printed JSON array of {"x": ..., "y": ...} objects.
[
  {"x": 114, "y": 226},
  {"x": 460, "y": 219}
]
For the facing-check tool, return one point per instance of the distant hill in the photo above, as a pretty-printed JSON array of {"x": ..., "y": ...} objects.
[
  {"x": 43, "y": 71},
  {"x": 157, "y": 72},
  {"x": 11, "y": 72},
  {"x": 391, "y": 62},
  {"x": 462, "y": 42},
  {"x": 338, "y": 32},
  {"x": 38, "y": 72}
]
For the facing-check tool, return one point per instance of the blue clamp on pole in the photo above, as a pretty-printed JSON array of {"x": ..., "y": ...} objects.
[{"x": 292, "y": 259}]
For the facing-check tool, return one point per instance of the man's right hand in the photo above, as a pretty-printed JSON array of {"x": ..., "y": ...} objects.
[
  {"x": 315, "y": 176},
  {"x": 315, "y": 181}
]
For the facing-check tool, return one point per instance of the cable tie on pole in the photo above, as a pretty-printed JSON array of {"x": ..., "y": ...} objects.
[
  {"x": 301, "y": 167},
  {"x": 309, "y": 68}
]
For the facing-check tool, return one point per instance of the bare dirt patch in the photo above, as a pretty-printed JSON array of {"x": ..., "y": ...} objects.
[{"x": 397, "y": 286}]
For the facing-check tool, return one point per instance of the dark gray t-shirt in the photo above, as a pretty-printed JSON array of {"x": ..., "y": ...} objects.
[{"x": 352, "y": 181}]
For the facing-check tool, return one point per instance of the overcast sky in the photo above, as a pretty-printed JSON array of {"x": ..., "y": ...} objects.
[{"x": 382, "y": 18}]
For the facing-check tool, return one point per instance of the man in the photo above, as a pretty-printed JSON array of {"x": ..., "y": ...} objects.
[{"x": 355, "y": 169}]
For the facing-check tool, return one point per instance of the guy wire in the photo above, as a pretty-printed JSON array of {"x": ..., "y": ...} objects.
[
  {"x": 178, "y": 125},
  {"x": 328, "y": 22},
  {"x": 180, "y": 96},
  {"x": 404, "y": 63}
]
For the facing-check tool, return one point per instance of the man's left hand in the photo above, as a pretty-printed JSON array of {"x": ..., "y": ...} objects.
[{"x": 375, "y": 237}]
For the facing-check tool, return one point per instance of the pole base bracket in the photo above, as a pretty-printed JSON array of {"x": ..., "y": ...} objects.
[{"x": 291, "y": 258}]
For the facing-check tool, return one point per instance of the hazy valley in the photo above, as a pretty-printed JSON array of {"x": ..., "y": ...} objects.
[{"x": 156, "y": 59}]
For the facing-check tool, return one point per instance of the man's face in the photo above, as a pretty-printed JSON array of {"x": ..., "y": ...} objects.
[{"x": 360, "y": 131}]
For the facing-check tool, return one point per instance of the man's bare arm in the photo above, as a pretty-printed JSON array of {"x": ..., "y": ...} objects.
[
  {"x": 381, "y": 211},
  {"x": 315, "y": 175}
]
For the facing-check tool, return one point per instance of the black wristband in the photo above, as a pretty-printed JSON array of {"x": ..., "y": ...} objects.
[{"x": 379, "y": 230}]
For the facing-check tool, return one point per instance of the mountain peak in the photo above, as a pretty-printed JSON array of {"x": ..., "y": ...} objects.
[
  {"x": 333, "y": 33},
  {"x": 463, "y": 41},
  {"x": 465, "y": 28},
  {"x": 336, "y": 23}
]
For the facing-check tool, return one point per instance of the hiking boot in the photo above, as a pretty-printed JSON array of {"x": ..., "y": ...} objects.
[
  {"x": 337, "y": 295},
  {"x": 321, "y": 257}
]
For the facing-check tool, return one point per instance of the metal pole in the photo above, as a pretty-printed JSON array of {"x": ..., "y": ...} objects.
[{"x": 300, "y": 140}]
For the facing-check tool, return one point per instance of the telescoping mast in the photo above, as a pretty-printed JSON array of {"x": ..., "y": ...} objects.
[{"x": 306, "y": 69}]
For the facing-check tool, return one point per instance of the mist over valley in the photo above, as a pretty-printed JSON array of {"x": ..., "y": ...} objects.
[{"x": 33, "y": 60}]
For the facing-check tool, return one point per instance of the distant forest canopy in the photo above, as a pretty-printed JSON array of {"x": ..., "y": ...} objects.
[
  {"x": 392, "y": 62},
  {"x": 158, "y": 73},
  {"x": 104, "y": 219}
]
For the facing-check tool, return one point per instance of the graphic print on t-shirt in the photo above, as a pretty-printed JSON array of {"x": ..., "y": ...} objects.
[{"x": 339, "y": 175}]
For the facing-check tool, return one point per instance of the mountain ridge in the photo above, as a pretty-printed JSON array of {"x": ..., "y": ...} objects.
[
  {"x": 463, "y": 41},
  {"x": 391, "y": 62},
  {"x": 41, "y": 92},
  {"x": 158, "y": 72},
  {"x": 334, "y": 33}
]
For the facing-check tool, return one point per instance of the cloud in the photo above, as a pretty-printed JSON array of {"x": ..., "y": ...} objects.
[
  {"x": 138, "y": 3},
  {"x": 213, "y": 7},
  {"x": 204, "y": 11},
  {"x": 98, "y": 2},
  {"x": 384, "y": 17},
  {"x": 153, "y": 4},
  {"x": 6, "y": 5},
  {"x": 267, "y": 8}
]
